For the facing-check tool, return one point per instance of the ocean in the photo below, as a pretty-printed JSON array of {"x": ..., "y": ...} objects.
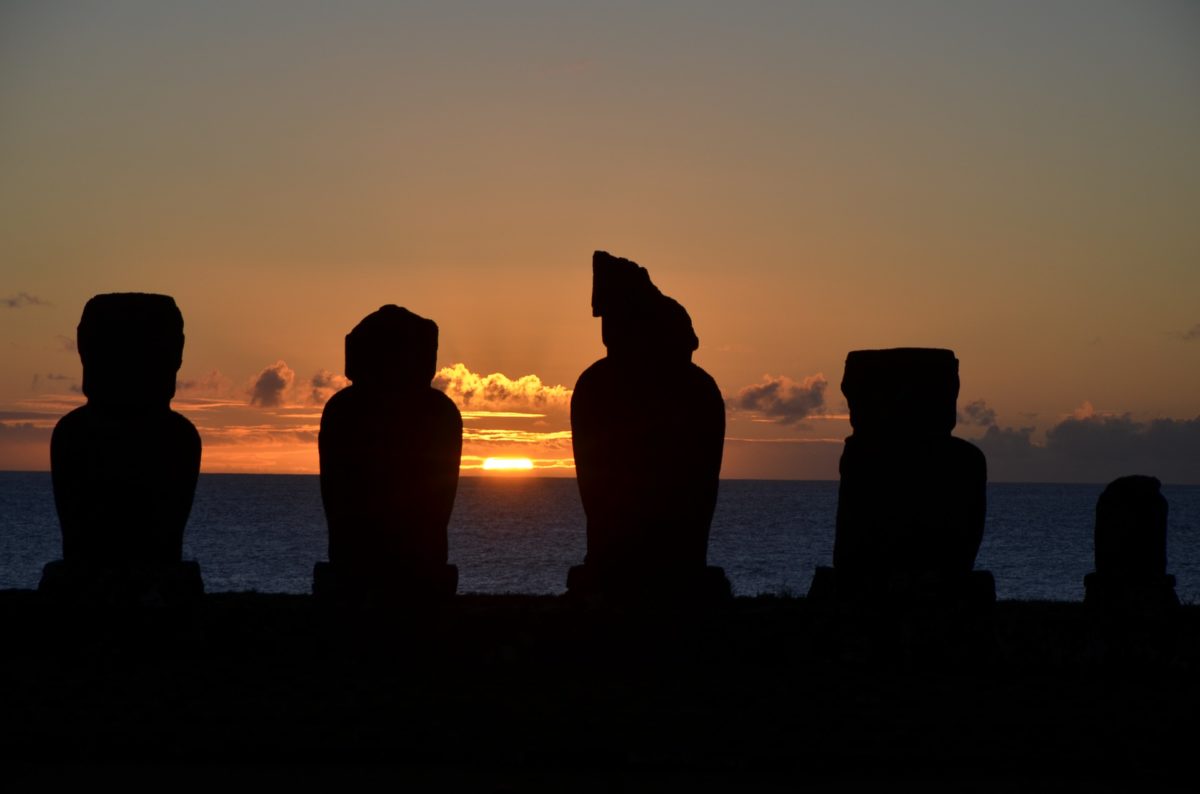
[{"x": 521, "y": 534}]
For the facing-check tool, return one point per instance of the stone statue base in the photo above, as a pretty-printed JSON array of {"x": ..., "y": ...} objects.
[
  {"x": 404, "y": 588},
  {"x": 122, "y": 584},
  {"x": 1150, "y": 596},
  {"x": 701, "y": 586},
  {"x": 972, "y": 589}
]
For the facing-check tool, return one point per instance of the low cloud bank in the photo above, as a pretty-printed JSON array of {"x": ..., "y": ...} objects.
[{"x": 1090, "y": 447}]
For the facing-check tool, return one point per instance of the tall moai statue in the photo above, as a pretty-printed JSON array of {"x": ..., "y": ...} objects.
[
  {"x": 648, "y": 429},
  {"x": 390, "y": 447},
  {"x": 124, "y": 465},
  {"x": 1131, "y": 549},
  {"x": 912, "y": 497}
]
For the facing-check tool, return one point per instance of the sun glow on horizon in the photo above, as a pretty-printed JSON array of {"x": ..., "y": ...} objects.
[{"x": 507, "y": 464}]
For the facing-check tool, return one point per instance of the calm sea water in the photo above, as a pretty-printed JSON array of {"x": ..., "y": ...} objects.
[{"x": 519, "y": 535}]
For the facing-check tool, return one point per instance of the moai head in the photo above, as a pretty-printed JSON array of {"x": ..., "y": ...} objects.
[
  {"x": 392, "y": 349},
  {"x": 131, "y": 345},
  {"x": 638, "y": 322},
  {"x": 901, "y": 391}
]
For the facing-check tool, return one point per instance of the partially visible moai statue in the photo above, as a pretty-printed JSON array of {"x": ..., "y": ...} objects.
[
  {"x": 1131, "y": 548},
  {"x": 648, "y": 429},
  {"x": 912, "y": 497},
  {"x": 390, "y": 447},
  {"x": 124, "y": 465}
]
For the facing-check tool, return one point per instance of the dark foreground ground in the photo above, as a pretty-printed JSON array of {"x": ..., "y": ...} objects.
[{"x": 523, "y": 692}]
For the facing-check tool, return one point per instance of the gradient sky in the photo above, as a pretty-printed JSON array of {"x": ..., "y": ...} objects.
[{"x": 1017, "y": 181}]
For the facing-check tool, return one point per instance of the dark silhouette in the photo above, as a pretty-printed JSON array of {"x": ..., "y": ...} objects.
[
  {"x": 1131, "y": 548},
  {"x": 124, "y": 466},
  {"x": 390, "y": 448},
  {"x": 648, "y": 430},
  {"x": 912, "y": 497}
]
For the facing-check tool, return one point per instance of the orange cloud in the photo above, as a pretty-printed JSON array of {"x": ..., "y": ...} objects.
[
  {"x": 498, "y": 392},
  {"x": 507, "y": 436},
  {"x": 324, "y": 384}
]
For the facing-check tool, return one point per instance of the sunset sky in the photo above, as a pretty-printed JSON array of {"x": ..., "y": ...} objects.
[{"x": 1017, "y": 181}]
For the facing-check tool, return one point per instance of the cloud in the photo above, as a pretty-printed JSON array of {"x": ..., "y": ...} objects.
[
  {"x": 21, "y": 300},
  {"x": 1084, "y": 411},
  {"x": 1089, "y": 447},
  {"x": 498, "y": 391},
  {"x": 1009, "y": 443},
  {"x": 1190, "y": 335},
  {"x": 66, "y": 343},
  {"x": 9, "y": 416},
  {"x": 45, "y": 381},
  {"x": 18, "y": 432},
  {"x": 271, "y": 385},
  {"x": 260, "y": 434},
  {"x": 553, "y": 439},
  {"x": 211, "y": 384},
  {"x": 783, "y": 399},
  {"x": 324, "y": 384},
  {"x": 977, "y": 413}
]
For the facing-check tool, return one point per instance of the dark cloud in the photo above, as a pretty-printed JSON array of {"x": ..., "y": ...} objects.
[
  {"x": 271, "y": 385},
  {"x": 1009, "y": 443},
  {"x": 50, "y": 376},
  {"x": 324, "y": 384},
  {"x": 977, "y": 413},
  {"x": 1096, "y": 449},
  {"x": 1192, "y": 334},
  {"x": 21, "y": 300},
  {"x": 783, "y": 399}
]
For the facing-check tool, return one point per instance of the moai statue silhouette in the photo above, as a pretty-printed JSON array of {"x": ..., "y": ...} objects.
[
  {"x": 912, "y": 497},
  {"x": 648, "y": 429},
  {"x": 124, "y": 465},
  {"x": 390, "y": 447}
]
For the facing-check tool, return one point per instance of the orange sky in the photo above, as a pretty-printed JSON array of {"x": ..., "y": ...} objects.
[{"x": 1017, "y": 182}]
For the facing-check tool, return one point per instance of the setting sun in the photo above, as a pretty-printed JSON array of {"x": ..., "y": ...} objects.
[{"x": 508, "y": 464}]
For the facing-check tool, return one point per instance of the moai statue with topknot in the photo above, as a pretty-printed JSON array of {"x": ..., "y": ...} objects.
[
  {"x": 648, "y": 429},
  {"x": 124, "y": 465},
  {"x": 390, "y": 447},
  {"x": 912, "y": 497}
]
